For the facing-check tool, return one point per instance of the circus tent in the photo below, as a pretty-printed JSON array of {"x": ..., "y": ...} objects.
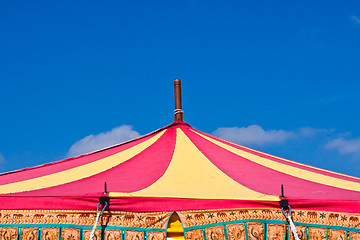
[{"x": 216, "y": 189}]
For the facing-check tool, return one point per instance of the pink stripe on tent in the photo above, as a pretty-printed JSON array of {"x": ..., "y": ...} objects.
[
  {"x": 273, "y": 158},
  {"x": 134, "y": 174},
  {"x": 252, "y": 175},
  {"x": 146, "y": 204},
  {"x": 58, "y": 166}
]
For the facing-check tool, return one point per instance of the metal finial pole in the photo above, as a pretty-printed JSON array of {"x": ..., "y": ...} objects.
[{"x": 178, "y": 108}]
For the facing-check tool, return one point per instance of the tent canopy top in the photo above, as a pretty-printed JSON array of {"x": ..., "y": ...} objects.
[{"x": 176, "y": 164}]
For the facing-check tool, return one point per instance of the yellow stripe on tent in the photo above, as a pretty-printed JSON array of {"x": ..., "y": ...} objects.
[
  {"x": 290, "y": 170},
  {"x": 287, "y": 160},
  {"x": 80, "y": 172},
  {"x": 191, "y": 175}
]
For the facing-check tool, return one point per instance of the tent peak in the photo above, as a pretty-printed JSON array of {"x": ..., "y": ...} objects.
[{"x": 178, "y": 122}]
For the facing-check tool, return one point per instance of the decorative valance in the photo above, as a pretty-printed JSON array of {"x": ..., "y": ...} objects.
[
  {"x": 258, "y": 224},
  {"x": 77, "y": 225},
  {"x": 234, "y": 224}
]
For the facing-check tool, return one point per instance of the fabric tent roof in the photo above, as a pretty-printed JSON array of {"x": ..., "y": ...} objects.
[{"x": 177, "y": 168}]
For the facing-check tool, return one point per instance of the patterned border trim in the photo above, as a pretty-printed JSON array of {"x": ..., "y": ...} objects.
[
  {"x": 125, "y": 219},
  {"x": 62, "y": 233},
  {"x": 267, "y": 231},
  {"x": 196, "y": 218},
  {"x": 158, "y": 220}
]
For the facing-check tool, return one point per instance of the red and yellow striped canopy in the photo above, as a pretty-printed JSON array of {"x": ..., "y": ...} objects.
[{"x": 177, "y": 168}]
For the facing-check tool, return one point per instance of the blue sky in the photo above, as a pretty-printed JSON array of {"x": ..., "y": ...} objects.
[{"x": 282, "y": 76}]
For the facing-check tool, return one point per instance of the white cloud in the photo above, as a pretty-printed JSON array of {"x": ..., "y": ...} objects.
[
  {"x": 253, "y": 134},
  {"x": 345, "y": 146},
  {"x": 356, "y": 19},
  {"x": 102, "y": 140},
  {"x": 2, "y": 160},
  {"x": 311, "y": 132},
  {"x": 256, "y": 135}
]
